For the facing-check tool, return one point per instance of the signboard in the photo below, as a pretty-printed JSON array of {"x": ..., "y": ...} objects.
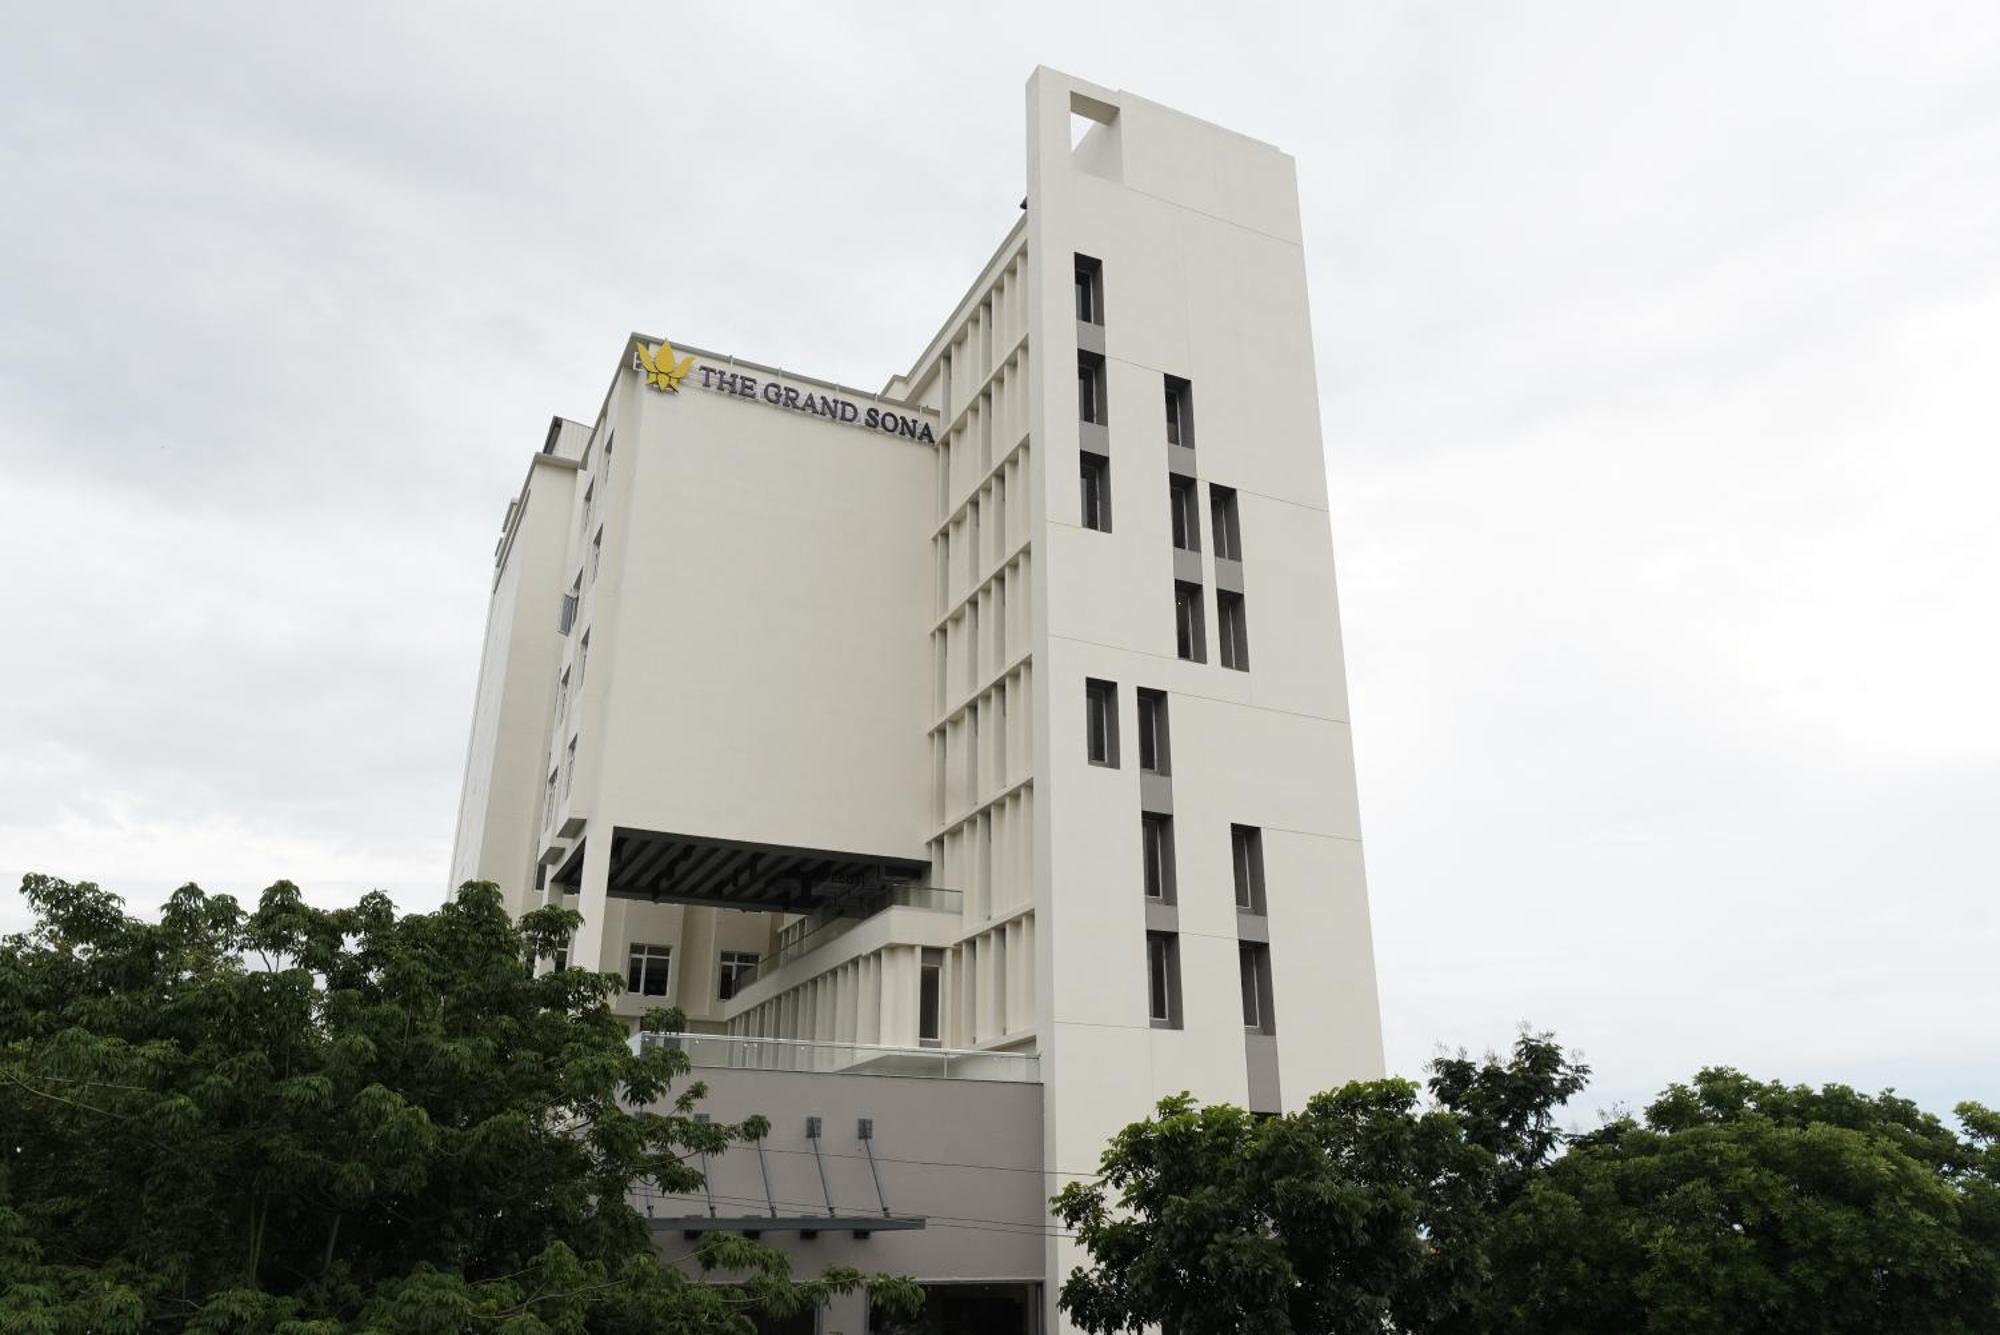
[{"x": 667, "y": 372}]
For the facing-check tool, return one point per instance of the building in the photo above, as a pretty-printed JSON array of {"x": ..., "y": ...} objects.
[{"x": 969, "y": 759}]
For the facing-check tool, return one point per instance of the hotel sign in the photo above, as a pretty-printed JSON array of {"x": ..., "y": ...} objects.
[{"x": 667, "y": 372}]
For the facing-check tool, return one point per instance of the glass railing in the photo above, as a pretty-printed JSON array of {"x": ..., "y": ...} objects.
[
  {"x": 730, "y": 1052},
  {"x": 816, "y": 935}
]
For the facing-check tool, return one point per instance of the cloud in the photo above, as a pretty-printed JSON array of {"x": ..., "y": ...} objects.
[{"x": 1656, "y": 359}]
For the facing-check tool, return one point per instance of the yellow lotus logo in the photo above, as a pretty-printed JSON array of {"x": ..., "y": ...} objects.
[{"x": 662, "y": 371}]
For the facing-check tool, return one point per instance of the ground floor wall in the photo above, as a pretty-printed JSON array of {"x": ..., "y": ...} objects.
[{"x": 940, "y": 1180}]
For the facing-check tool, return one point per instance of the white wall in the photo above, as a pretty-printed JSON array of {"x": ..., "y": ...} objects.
[
  {"x": 500, "y": 807},
  {"x": 1203, "y": 278}
]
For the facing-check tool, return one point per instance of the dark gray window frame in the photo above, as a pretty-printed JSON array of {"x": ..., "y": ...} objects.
[
  {"x": 1190, "y": 629},
  {"x": 1094, "y": 480},
  {"x": 1156, "y": 856},
  {"x": 1183, "y": 513},
  {"x": 1090, "y": 390},
  {"x": 1225, "y": 523},
  {"x": 1089, "y": 290},
  {"x": 1156, "y": 752},
  {"x": 1100, "y": 722},
  {"x": 1163, "y": 980},
  {"x": 1232, "y": 630},
  {"x": 1246, "y": 866}
]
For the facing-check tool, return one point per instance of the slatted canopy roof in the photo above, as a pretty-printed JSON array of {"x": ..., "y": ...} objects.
[{"x": 660, "y": 868}]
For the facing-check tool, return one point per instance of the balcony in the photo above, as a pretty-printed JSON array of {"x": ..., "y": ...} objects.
[
  {"x": 729, "y": 1052},
  {"x": 802, "y": 938}
]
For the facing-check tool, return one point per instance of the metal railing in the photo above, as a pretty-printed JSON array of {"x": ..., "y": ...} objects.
[
  {"x": 730, "y": 1052},
  {"x": 812, "y": 937}
]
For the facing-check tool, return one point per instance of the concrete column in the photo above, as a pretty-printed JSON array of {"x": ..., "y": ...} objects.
[
  {"x": 698, "y": 962},
  {"x": 845, "y": 1315},
  {"x": 592, "y": 941}
]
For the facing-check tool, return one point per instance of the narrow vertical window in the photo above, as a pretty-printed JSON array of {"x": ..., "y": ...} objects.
[
  {"x": 1223, "y": 523},
  {"x": 1153, "y": 732},
  {"x": 549, "y": 802},
  {"x": 1246, "y": 856},
  {"x": 1190, "y": 636},
  {"x": 596, "y": 553},
  {"x": 589, "y": 503},
  {"x": 582, "y": 658},
  {"x": 1233, "y": 630},
  {"x": 1096, "y": 473},
  {"x": 562, "y": 696},
  {"x": 1180, "y": 412},
  {"x": 569, "y": 768},
  {"x": 1089, "y": 290},
  {"x": 1090, "y": 388},
  {"x": 1163, "y": 979},
  {"x": 648, "y": 969},
  {"x": 930, "y": 998},
  {"x": 1254, "y": 968},
  {"x": 571, "y": 601},
  {"x": 1156, "y": 833},
  {"x": 1100, "y": 701},
  {"x": 1181, "y": 506}
]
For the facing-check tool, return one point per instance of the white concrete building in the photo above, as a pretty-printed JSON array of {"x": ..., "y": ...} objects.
[{"x": 991, "y": 726}]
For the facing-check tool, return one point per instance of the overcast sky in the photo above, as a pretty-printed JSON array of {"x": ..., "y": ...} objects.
[{"x": 1659, "y": 356}]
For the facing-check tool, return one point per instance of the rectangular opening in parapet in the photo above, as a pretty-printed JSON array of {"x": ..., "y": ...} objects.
[{"x": 1093, "y": 136}]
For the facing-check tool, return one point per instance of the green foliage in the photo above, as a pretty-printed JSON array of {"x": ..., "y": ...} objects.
[
  {"x": 1735, "y": 1206},
  {"x": 1363, "y": 1212},
  {"x": 302, "y": 1122},
  {"x": 1732, "y": 1207}
]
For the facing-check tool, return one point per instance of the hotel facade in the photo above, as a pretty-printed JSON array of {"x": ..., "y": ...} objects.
[{"x": 969, "y": 758}]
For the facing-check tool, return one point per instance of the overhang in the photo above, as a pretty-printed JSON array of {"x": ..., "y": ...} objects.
[{"x": 659, "y": 867}]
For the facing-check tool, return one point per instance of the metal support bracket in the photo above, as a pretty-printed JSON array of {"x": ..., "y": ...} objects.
[{"x": 866, "y": 1131}]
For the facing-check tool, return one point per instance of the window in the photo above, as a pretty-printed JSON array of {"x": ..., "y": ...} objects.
[
  {"x": 582, "y": 658},
  {"x": 561, "y": 960},
  {"x": 1222, "y": 514},
  {"x": 549, "y": 802},
  {"x": 562, "y": 696},
  {"x": 1246, "y": 857},
  {"x": 1090, "y": 388},
  {"x": 1234, "y": 632},
  {"x": 1153, "y": 732},
  {"x": 734, "y": 973},
  {"x": 589, "y": 502},
  {"x": 1096, "y": 472},
  {"x": 1190, "y": 638},
  {"x": 567, "y": 618},
  {"x": 596, "y": 553},
  {"x": 1180, "y": 412},
  {"x": 648, "y": 969},
  {"x": 1163, "y": 979},
  {"x": 1089, "y": 290},
  {"x": 1156, "y": 835},
  {"x": 1100, "y": 724},
  {"x": 930, "y": 998},
  {"x": 569, "y": 768},
  {"x": 1181, "y": 503},
  {"x": 1254, "y": 965}
]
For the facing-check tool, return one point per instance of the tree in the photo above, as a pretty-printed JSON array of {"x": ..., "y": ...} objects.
[
  {"x": 303, "y": 1121},
  {"x": 1731, "y": 1208},
  {"x": 1364, "y": 1212},
  {"x": 1760, "y": 1209}
]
